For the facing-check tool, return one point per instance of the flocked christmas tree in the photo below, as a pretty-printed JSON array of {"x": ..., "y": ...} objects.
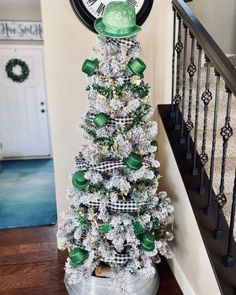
[{"x": 116, "y": 214}]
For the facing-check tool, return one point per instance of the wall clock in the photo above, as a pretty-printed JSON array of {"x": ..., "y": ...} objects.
[{"x": 88, "y": 10}]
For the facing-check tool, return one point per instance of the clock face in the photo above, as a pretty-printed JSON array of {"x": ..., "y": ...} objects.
[
  {"x": 88, "y": 10},
  {"x": 96, "y": 7}
]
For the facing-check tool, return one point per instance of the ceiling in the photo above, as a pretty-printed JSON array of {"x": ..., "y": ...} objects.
[{"x": 9, "y": 4}]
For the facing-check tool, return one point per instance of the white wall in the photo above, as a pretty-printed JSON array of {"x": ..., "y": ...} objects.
[
  {"x": 219, "y": 18},
  {"x": 67, "y": 44}
]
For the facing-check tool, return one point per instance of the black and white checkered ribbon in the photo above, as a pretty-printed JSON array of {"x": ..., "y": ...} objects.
[
  {"x": 119, "y": 259},
  {"x": 102, "y": 167},
  {"x": 128, "y": 42},
  {"x": 114, "y": 121},
  {"x": 120, "y": 206}
]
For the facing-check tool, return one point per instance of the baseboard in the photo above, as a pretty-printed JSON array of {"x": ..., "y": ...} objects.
[
  {"x": 180, "y": 277},
  {"x": 25, "y": 158}
]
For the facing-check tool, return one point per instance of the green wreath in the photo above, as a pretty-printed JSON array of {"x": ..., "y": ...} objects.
[{"x": 24, "y": 70}]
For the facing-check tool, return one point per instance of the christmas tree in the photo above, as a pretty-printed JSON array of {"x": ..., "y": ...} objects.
[{"x": 116, "y": 216}]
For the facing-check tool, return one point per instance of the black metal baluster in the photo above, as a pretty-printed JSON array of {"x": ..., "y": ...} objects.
[
  {"x": 226, "y": 133},
  {"x": 206, "y": 98},
  {"x": 177, "y": 97},
  {"x": 172, "y": 114},
  {"x": 212, "y": 168},
  {"x": 182, "y": 138},
  {"x": 229, "y": 260},
  {"x": 191, "y": 71},
  {"x": 195, "y": 170}
]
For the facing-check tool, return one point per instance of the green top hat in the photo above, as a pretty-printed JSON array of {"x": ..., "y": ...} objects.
[
  {"x": 118, "y": 21},
  {"x": 79, "y": 181},
  {"x": 78, "y": 257},
  {"x": 147, "y": 242},
  {"x": 90, "y": 66},
  {"x": 137, "y": 67},
  {"x": 134, "y": 161}
]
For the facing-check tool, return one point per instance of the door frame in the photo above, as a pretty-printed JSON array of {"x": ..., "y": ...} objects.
[{"x": 41, "y": 48}]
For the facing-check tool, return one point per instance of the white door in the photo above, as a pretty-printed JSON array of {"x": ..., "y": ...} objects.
[{"x": 24, "y": 128}]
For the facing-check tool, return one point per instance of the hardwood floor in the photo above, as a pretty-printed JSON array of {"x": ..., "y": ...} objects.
[{"x": 31, "y": 264}]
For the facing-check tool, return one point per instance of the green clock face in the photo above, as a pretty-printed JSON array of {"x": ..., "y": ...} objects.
[{"x": 88, "y": 10}]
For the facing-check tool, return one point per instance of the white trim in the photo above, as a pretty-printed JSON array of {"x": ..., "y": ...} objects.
[{"x": 180, "y": 277}]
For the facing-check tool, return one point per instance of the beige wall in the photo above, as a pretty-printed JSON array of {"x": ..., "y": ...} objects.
[
  {"x": 219, "y": 18},
  {"x": 20, "y": 13},
  {"x": 67, "y": 44}
]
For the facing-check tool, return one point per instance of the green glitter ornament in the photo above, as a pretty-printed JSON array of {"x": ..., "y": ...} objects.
[
  {"x": 81, "y": 222},
  {"x": 101, "y": 120},
  {"x": 155, "y": 224},
  {"x": 105, "y": 228}
]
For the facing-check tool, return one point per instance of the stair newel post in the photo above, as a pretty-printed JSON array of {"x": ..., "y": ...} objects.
[
  {"x": 191, "y": 71},
  {"x": 177, "y": 97},
  {"x": 182, "y": 138},
  {"x": 206, "y": 98},
  {"x": 208, "y": 209},
  {"x": 229, "y": 260},
  {"x": 172, "y": 114},
  {"x": 199, "y": 71},
  {"x": 226, "y": 133}
]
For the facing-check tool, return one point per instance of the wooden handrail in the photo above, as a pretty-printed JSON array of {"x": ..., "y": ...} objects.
[{"x": 207, "y": 43}]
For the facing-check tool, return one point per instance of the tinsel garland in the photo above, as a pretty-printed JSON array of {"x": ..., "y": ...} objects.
[
  {"x": 102, "y": 191},
  {"x": 137, "y": 118},
  {"x": 140, "y": 91}
]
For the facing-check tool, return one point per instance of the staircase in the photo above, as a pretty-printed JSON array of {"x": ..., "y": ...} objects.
[
  {"x": 200, "y": 124},
  {"x": 231, "y": 150}
]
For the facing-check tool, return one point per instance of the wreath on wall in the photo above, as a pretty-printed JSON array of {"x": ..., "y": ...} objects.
[{"x": 19, "y": 78}]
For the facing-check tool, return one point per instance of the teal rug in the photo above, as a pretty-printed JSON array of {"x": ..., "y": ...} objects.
[{"x": 27, "y": 194}]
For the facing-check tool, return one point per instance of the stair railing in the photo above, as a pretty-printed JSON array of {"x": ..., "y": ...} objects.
[{"x": 187, "y": 65}]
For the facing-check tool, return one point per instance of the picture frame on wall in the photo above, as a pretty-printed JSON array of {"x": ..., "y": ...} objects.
[{"x": 21, "y": 30}]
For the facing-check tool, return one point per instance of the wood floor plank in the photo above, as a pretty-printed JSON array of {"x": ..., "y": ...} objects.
[{"x": 31, "y": 264}]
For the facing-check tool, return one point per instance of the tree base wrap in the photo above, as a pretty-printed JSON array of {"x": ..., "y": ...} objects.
[{"x": 101, "y": 286}]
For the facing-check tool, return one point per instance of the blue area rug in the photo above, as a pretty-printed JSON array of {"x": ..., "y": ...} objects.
[{"x": 27, "y": 194}]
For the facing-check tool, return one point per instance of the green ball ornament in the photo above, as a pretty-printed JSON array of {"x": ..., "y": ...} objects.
[
  {"x": 134, "y": 161},
  {"x": 147, "y": 242},
  {"x": 138, "y": 228},
  {"x": 79, "y": 181},
  {"x": 155, "y": 224},
  {"x": 90, "y": 66},
  {"x": 81, "y": 222},
  {"x": 78, "y": 256},
  {"x": 101, "y": 120},
  {"x": 105, "y": 228}
]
